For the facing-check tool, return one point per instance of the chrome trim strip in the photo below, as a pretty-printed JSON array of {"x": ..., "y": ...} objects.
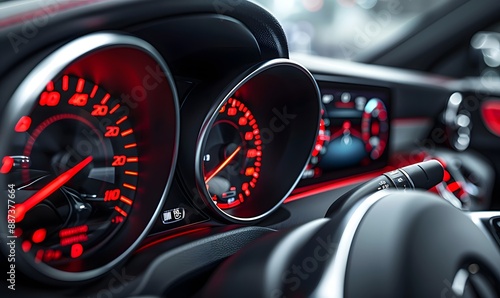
[{"x": 333, "y": 280}]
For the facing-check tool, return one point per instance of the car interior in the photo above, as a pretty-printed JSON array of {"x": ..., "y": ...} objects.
[{"x": 236, "y": 148}]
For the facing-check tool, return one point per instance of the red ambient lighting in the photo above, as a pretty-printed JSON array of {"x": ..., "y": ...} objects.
[
  {"x": 156, "y": 242},
  {"x": 336, "y": 184},
  {"x": 490, "y": 111}
]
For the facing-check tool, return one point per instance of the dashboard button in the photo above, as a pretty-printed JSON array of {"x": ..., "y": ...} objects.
[{"x": 173, "y": 215}]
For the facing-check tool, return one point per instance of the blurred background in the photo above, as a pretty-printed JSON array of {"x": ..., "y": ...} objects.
[{"x": 347, "y": 29}]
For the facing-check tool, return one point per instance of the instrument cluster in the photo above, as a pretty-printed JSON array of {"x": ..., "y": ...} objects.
[
  {"x": 354, "y": 132},
  {"x": 90, "y": 141}
]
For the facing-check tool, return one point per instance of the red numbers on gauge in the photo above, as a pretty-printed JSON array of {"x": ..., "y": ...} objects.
[
  {"x": 232, "y": 157},
  {"x": 75, "y": 172}
]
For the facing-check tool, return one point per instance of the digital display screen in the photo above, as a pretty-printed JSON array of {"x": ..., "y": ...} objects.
[{"x": 353, "y": 134}]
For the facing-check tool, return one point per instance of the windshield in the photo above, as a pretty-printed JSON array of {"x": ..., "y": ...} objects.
[{"x": 346, "y": 29}]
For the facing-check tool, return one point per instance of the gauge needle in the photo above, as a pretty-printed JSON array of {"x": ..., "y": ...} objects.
[
  {"x": 223, "y": 164},
  {"x": 49, "y": 189}
]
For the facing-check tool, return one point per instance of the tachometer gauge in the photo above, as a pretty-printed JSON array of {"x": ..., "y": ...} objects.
[
  {"x": 254, "y": 139},
  {"x": 233, "y": 155},
  {"x": 81, "y": 162}
]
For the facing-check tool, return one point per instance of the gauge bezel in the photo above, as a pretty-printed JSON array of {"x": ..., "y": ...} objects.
[
  {"x": 24, "y": 98},
  {"x": 284, "y": 67}
]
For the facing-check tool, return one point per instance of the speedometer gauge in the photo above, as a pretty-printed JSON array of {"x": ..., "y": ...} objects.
[
  {"x": 80, "y": 158},
  {"x": 76, "y": 175},
  {"x": 233, "y": 155}
]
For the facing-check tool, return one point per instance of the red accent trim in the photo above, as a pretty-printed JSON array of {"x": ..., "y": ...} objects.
[
  {"x": 307, "y": 191},
  {"x": 344, "y": 105},
  {"x": 227, "y": 206},
  {"x": 411, "y": 121},
  {"x": 490, "y": 110},
  {"x": 454, "y": 186},
  {"x": 146, "y": 246},
  {"x": 446, "y": 176}
]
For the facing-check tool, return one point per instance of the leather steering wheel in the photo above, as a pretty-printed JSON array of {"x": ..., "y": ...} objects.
[{"x": 388, "y": 244}]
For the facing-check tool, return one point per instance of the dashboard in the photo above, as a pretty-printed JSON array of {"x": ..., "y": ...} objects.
[{"x": 145, "y": 142}]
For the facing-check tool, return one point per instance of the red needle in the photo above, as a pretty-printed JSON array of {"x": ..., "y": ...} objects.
[
  {"x": 223, "y": 165},
  {"x": 49, "y": 189}
]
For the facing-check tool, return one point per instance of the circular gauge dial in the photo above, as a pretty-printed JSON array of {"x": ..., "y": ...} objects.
[
  {"x": 74, "y": 168},
  {"x": 232, "y": 155},
  {"x": 84, "y": 188},
  {"x": 375, "y": 128}
]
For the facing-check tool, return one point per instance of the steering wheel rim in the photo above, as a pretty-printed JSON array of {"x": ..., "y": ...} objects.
[{"x": 378, "y": 248}]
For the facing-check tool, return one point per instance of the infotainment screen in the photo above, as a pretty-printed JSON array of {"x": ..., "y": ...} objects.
[{"x": 353, "y": 134}]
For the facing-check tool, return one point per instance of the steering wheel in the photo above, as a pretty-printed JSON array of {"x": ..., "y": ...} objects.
[{"x": 387, "y": 244}]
